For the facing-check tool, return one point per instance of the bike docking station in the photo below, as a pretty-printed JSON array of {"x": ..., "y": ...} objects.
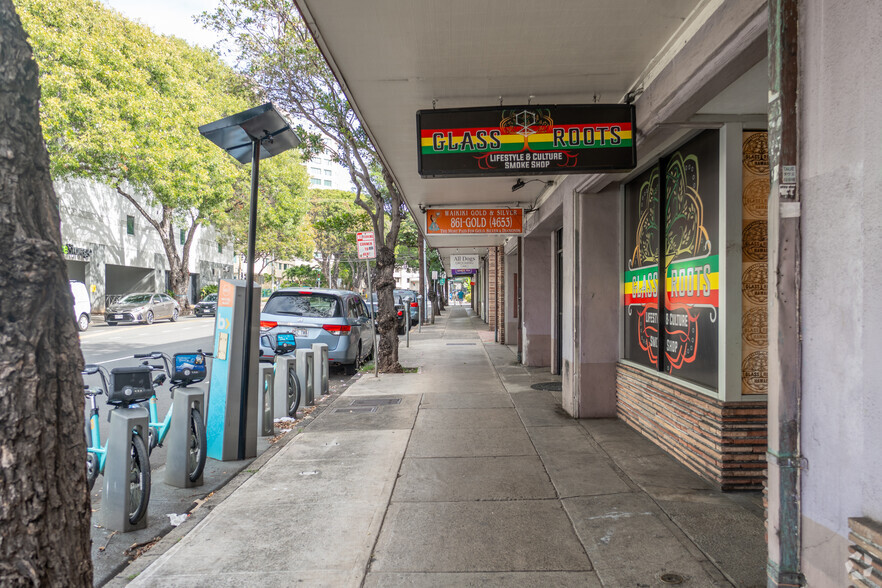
[
  {"x": 305, "y": 370},
  {"x": 128, "y": 425},
  {"x": 231, "y": 425},
  {"x": 189, "y": 368},
  {"x": 282, "y": 401},
  {"x": 320, "y": 369},
  {"x": 265, "y": 404}
]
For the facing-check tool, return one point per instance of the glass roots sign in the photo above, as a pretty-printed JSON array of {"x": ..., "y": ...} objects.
[{"x": 526, "y": 140}]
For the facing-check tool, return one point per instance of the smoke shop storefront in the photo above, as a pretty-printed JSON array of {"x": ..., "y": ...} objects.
[{"x": 693, "y": 346}]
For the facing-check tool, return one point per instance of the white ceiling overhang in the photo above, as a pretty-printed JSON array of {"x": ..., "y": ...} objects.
[{"x": 395, "y": 57}]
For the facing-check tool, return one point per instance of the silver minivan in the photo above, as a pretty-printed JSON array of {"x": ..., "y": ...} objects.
[{"x": 338, "y": 318}]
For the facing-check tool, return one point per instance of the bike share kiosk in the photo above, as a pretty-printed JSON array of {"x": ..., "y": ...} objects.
[
  {"x": 224, "y": 404},
  {"x": 184, "y": 452},
  {"x": 123, "y": 506}
]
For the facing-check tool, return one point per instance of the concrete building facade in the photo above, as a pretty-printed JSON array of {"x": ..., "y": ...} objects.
[{"x": 111, "y": 247}]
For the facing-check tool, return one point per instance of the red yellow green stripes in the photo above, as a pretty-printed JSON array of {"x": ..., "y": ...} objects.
[
  {"x": 539, "y": 138},
  {"x": 695, "y": 281}
]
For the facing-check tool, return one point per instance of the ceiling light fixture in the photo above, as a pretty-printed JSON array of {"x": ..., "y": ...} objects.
[{"x": 521, "y": 183}]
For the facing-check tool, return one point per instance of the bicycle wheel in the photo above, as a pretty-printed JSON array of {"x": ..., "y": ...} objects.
[
  {"x": 139, "y": 480},
  {"x": 196, "y": 446},
  {"x": 293, "y": 399}
]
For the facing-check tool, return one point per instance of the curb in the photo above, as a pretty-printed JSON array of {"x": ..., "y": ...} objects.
[{"x": 201, "y": 509}]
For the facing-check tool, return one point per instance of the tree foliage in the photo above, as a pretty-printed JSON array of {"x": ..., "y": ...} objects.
[
  {"x": 276, "y": 53},
  {"x": 283, "y": 230},
  {"x": 122, "y": 106},
  {"x": 335, "y": 220}
]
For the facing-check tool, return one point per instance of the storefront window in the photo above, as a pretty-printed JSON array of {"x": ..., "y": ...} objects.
[
  {"x": 641, "y": 269},
  {"x": 683, "y": 341}
]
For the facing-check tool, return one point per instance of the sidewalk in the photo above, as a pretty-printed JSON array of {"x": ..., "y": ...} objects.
[{"x": 463, "y": 475}]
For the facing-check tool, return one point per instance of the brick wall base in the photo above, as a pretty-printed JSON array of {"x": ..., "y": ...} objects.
[{"x": 723, "y": 442}]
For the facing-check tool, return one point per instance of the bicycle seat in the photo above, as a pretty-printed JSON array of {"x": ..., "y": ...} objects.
[{"x": 95, "y": 392}]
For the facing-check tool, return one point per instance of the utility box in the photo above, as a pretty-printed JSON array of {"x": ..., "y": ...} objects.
[{"x": 225, "y": 399}]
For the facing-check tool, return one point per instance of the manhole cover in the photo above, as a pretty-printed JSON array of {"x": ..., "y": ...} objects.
[
  {"x": 356, "y": 409},
  {"x": 375, "y": 401},
  {"x": 672, "y": 578},
  {"x": 549, "y": 386}
]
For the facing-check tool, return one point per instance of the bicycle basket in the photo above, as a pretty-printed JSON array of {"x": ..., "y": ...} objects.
[{"x": 130, "y": 385}]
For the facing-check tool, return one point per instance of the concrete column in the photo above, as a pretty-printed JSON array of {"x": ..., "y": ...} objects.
[
  {"x": 509, "y": 277},
  {"x": 537, "y": 305},
  {"x": 491, "y": 288},
  {"x": 500, "y": 293},
  {"x": 571, "y": 324},
  {"x": 598, "y": 302}
]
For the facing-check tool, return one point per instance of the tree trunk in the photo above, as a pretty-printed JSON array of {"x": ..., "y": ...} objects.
[
  {"x": 44, "y": 504},
  {"x": 387, "y": 317}
]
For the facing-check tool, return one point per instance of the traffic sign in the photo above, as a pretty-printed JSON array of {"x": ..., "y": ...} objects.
[{"x": 367, "y": 248}]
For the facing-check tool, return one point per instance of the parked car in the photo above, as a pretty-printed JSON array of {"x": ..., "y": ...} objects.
[
  {"x": 143, "y": 307},
  {"x": 410, "y": 299},
  {"x": 82, "y": 306},
  {"x": 207, "y": 306},
  {"x": 399, "y": 312},
  {"x": 338, "y": 318}
]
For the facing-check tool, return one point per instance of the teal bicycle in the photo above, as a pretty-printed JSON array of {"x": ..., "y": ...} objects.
[
  {"x": 184, "y": 369},
  {"x": 129, "y": 387}
]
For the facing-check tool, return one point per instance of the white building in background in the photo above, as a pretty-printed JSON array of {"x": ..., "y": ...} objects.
[
  {"x": 110, "y": 246},
  {"x": 325, "y": 174},
  {"x": 406, "y": 278}
]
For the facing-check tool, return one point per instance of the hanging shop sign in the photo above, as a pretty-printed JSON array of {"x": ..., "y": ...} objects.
[
  {"x": 526, "y": 140},
  {"x": 464, "y": 262},
  {"x": 463, "y": 272},
  {"x": 474, "y": 221}
]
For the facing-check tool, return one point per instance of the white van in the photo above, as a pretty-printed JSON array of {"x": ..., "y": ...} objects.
[{"x": 82, "y": 305}]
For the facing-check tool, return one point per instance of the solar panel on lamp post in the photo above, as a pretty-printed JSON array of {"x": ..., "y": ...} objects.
[{"x": 253, "y": 134}]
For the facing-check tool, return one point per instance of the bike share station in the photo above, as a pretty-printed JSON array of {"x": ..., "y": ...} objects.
[{"x": 237, "y": 386}]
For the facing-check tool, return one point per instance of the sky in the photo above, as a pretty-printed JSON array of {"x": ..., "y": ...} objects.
[{"x": 169, "y": 17}]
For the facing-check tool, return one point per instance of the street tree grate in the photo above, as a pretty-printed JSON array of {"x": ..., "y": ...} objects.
[
  {"x": 356, "y": 410},
  {"x": 548, "y": 386},
  {"x": 375, "y": 401}
]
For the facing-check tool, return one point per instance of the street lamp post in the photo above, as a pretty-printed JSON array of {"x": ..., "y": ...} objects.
[{"x": 254, "y": 134}]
